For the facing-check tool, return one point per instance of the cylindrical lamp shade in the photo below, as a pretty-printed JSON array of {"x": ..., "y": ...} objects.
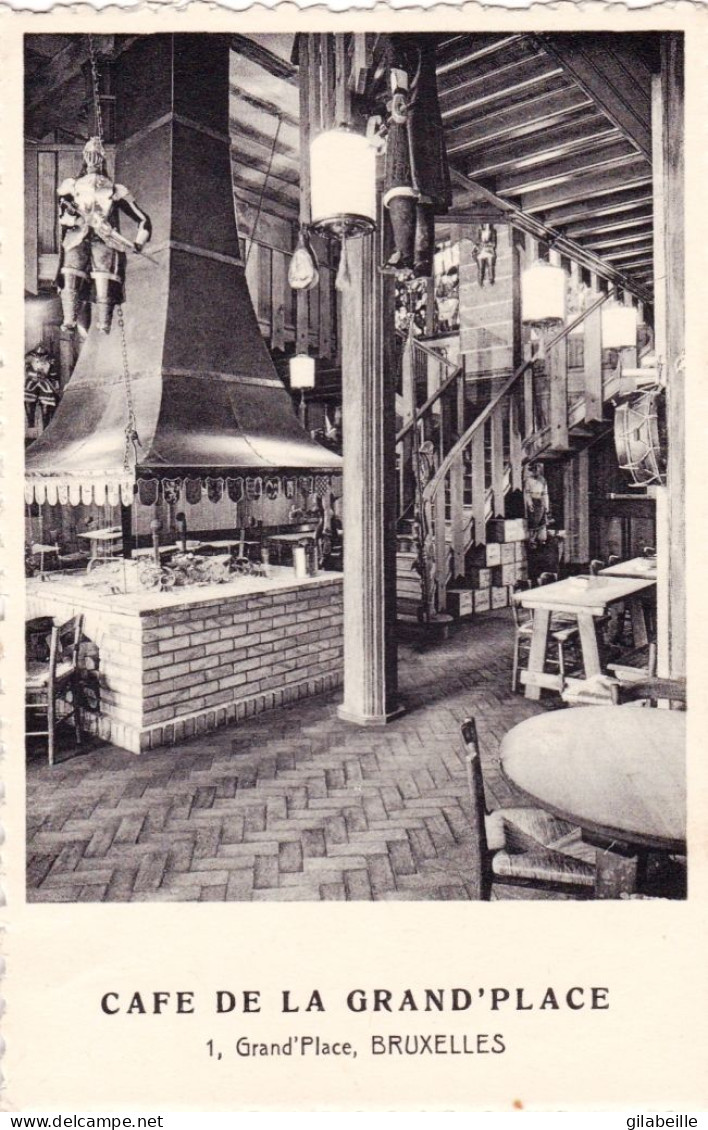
[
  {"x": 619, "y": 326},
  {"x": 543, "y": 291},
  {"x": 343, "y": 183},
  {"x": 302, "y": 371}
]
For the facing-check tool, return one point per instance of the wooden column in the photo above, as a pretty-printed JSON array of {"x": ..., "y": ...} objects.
[
  {"x": 669, "y": 273},
  {"x": 302, "y": 317},
  {"x": 529, "y": 257},
  {"x": 592, "y": 359},
  {"x": 557, "y": 364},
  {"x": 369, "y": 495},
  {"x": 497, "y": 424}
]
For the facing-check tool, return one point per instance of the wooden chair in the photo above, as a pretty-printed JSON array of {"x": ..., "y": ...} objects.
[
  {"x": 523, "y": 846},
  {"x": 651, "y": 691},
  {"x": 50, "y": 683},
  {"x": 626, "y": 673}
]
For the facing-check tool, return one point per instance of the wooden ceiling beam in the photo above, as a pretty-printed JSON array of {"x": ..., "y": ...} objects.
[
  {"x": 517, "y": 81},
  {"x": 248, "y": 195},
  {"x": 531, "y": 225},
  {"x": 621, "y": 88},
  {"x": 613, "y": 204},
  {"x": 623, "y": 221},
  {"x": 528, "y": 116},
  {"x": 506, "y": 77},
  {"x": 510, "y": 55},
  {"x": 615, "y": 155},
  {"x": 634, "y": 174},
  {"x": 589, "y": 130},
  {"x": 239, "y": 129},
  {"x": 281, "y": 196},
  {"x": 64, "y": 67},
  {"x": 274, "y": 64},
  {"x": 454, "y": 54},
  {"x": 633, "y": 255},
  {"x": 620, "y": 240},
  {"x": 262, "y": 104},
  {"x": 245, "y": 153}
]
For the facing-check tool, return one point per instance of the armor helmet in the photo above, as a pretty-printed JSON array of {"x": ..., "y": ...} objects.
[{"x": 94, "y": 155}]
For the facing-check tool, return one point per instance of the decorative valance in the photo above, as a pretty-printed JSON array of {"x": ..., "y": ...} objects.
[{"x": 102, "y": 490}]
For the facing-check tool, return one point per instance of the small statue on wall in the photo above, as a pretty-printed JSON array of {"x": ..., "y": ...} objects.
[
  {"x": 93, "y": 251},
  {"x": 536, "y": 500},
  {"x": 485, "y": 252},
  {"x": 41, "y": 386}
]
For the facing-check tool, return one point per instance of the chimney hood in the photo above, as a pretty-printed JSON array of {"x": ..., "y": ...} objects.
[{"x": 208, "y": 401}]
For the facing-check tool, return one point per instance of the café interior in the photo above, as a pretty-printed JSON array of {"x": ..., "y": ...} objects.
[{"x": 354, "y": 473}]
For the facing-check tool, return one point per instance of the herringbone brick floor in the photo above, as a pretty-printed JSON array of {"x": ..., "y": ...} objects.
[{"x": 293, "y": 804}]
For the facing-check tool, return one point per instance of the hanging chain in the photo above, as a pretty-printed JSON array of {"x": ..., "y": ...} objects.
[
  {"x": 263, "y": 188},
  {"x": 132, "y": 439},
  {"x": 131, "y": 430},
  {"x": 96, "y": 89}
]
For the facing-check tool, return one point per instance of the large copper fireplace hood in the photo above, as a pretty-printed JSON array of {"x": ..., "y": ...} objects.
[{"x": 208, "y": 401}]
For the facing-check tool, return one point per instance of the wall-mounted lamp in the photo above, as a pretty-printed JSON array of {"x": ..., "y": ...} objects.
[
  {"x": 342, "y": 183},
  {"x": 302, "y": 376}
]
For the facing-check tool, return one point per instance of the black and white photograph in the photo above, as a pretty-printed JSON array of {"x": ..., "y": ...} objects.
[
  {"x": 351, "y": 401},
  {"x": 354, "y": 512}
]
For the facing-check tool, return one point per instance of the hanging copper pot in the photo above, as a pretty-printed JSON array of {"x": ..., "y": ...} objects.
[{"x": 303, "y": 273}]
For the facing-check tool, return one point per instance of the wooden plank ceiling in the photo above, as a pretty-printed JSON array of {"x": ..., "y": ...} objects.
[{"x": 558, "y": 126}]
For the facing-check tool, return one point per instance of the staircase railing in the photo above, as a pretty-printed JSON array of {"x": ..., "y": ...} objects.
[
  {"x": 510, "y": 407},
  {"x": 432, "y": 427}
]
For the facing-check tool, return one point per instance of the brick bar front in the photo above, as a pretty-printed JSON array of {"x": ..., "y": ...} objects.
[{"x": 181, "y": 663}]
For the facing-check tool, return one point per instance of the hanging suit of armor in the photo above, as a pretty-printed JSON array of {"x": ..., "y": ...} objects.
[
  {"x": 93, "y": 250},
  {"x": 417, "y": 177}
]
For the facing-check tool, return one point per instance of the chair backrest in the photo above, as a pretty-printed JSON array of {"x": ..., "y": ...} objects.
[
  {"x": 614, "y": 559},
  {"x": 547, "y": 578},
  {"x": 68, "y": 641},
  {"x": 521, "y": 615},
  {"x": 482, "y": 880},
  {"x": 595, "y": 566},
  {"x": 650, "y": 690}
]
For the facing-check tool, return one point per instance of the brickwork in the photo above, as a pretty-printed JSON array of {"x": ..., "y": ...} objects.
[
  {"x": 293, "y": 805},
  {"x": 181, "y": 669}
]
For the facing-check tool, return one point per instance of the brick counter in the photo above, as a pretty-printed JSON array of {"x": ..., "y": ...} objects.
[{"x": 175, "y": 664}]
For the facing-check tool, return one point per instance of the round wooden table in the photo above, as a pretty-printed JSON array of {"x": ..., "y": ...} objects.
[{"x": 616, "y": 771}]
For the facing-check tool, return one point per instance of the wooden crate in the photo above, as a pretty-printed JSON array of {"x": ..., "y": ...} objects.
[
  {"x": 503, "y": 575},
  {"x": 480, "y": 578},
  {"x": 506, "y": 529},
  {"x": 482, "y": 600},
  {"x": 460, "y": 602},
  {"x": 500, "y": 596}
]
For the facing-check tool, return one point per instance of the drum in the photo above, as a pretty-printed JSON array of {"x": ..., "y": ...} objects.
[{"x": 641, "y": 439}]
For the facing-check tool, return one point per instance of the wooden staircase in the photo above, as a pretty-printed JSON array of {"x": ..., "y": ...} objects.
[{"x": 455, "y": 474}]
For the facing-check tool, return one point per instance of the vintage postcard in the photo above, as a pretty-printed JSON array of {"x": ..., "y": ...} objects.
[{"x": 352, "y": 533}]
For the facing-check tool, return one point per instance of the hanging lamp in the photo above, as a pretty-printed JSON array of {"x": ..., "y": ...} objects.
[
  {"x": 342, "y": 183},
  {"x": 302, "y": 376},
  {"x": 619, "y": 326},
  {"x": 543, "y": 294}
]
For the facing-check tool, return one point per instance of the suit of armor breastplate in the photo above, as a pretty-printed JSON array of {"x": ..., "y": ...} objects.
[{"x": 94, "y": 199}]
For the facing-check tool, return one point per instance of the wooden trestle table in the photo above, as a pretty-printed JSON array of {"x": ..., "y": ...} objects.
[
  {"x": 616, "y": 771},
  {"x": 586, "y": 599},
  {"x": 643, "y": 568}
]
